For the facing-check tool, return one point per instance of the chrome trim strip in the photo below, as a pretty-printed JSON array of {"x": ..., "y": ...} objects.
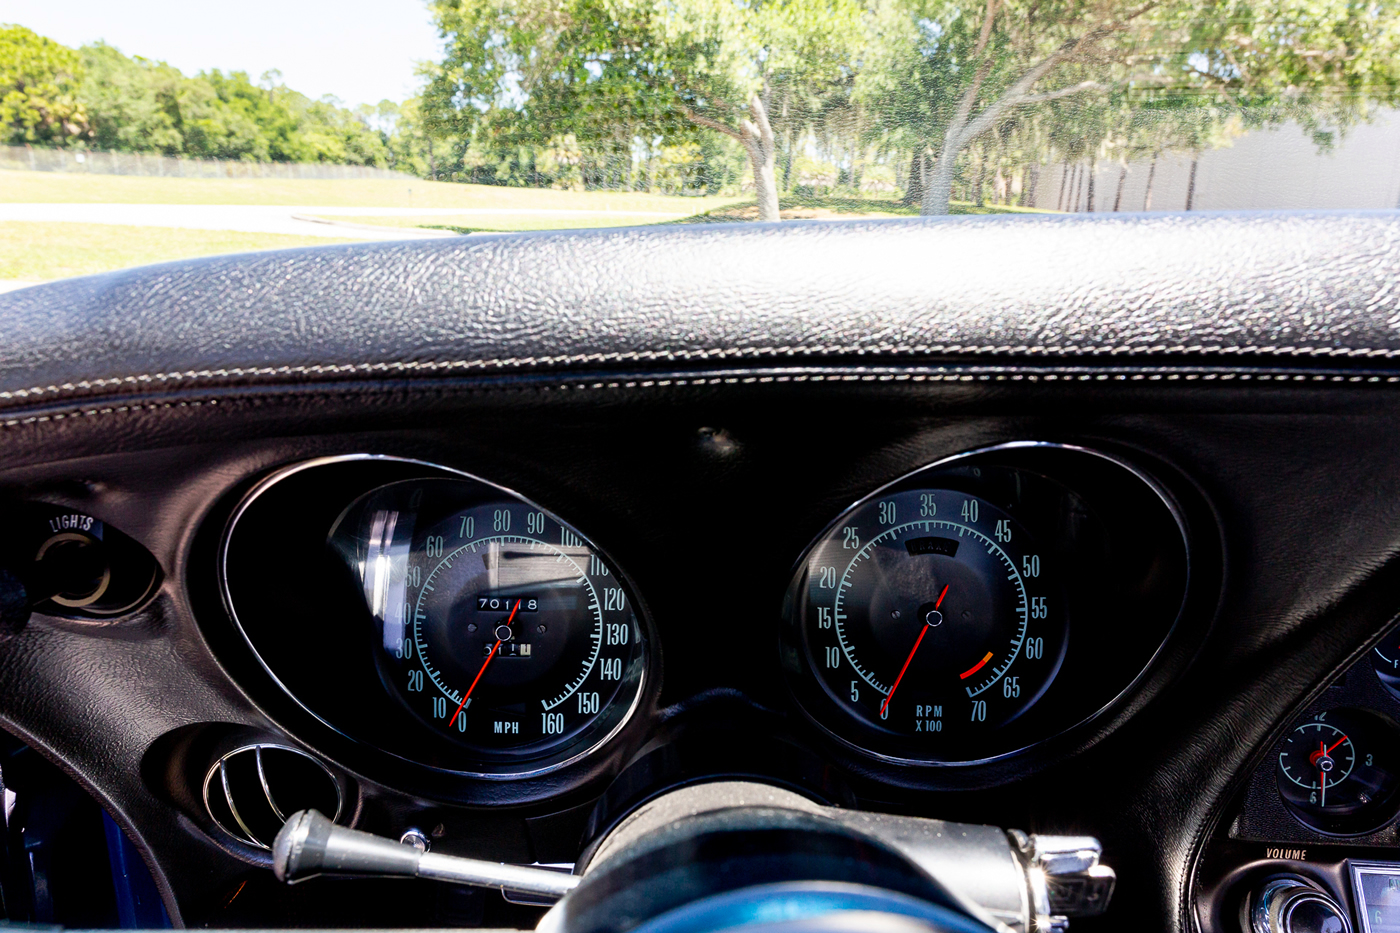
[
  {"x": 267, "y": 791},
  {"x": 219, "y": 768},
  {"x": 233, "y": 807}
]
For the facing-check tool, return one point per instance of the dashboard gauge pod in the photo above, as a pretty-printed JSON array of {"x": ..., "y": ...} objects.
[
  {"x": 494, "y": 623},
  {"x": 984, "y": 604},
  {"x": 436, "y": 618}
]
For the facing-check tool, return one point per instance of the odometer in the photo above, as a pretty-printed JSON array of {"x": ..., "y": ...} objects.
[{"x": 496, "y": 625}]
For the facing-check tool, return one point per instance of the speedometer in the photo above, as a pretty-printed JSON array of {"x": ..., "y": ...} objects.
[
  {"x": 936, "y": 616},
  {"x": 496, "y": 625}
]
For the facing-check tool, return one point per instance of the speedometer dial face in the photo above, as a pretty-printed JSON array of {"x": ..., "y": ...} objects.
[
  {"x": 497, "y": 625},
  {"x": 933, "y": 617}
]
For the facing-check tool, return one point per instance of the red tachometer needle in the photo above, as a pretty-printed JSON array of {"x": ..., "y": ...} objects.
[
  {"x": 494, "y": 648},
  {"x": 922, "y": 632}
]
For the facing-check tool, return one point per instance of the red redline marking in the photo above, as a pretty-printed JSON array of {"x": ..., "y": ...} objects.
[
  {"x": 489, "y": 656},
  {"x": 922, "y": 632},
  {"x": 975, "y": 668}
]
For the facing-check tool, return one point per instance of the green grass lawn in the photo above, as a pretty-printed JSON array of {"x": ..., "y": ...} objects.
[
  {"x": 75, "y": 187},
  {"x": 841, "y": 207},
  {"x": 795, "y": 207},
  {"x": 503, "y": 223},
  {"x": 40, "y": 251}
]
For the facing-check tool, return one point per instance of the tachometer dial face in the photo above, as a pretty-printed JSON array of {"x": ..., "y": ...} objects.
[
  {"x": 933, "y": 618},
  {"x": 497, "y": 625},
  {"x": 1337, "y": 773}
]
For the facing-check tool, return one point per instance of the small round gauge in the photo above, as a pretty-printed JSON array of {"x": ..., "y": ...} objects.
[
  {"x": 496, "y": 625},
  {"x": 1386, "y": 660},
  {"x": 933, "y": 616},
  {"x": 1337, "y": 771}
]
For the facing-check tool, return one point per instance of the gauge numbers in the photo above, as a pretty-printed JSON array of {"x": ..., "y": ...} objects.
[
  {"x": 932, "y": 615},
  {"x": 498, "y": 626}
]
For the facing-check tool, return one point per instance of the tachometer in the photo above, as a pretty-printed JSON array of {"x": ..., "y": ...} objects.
[
  {"x": 982, "y": 605},
  {"x": 934, "y": 615}
]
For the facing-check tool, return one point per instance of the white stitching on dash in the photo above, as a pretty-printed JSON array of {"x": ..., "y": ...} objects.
[
  {"x": 1242, "y": 376},
  {"x": 94, "y": 412},
  {"x": 525, "y": 362},
  {"x": 979, "y": 377}
]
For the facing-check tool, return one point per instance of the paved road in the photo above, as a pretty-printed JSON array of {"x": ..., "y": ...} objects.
[{"x": 261, "y": 218}]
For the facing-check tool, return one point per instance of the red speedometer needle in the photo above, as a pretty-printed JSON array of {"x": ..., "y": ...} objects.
[
  {"x": 922, "y": 632},
  {"x": 491, "y": 654}
]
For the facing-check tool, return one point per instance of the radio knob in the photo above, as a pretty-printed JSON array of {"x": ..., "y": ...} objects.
[{"x": 1295, "y": 905}]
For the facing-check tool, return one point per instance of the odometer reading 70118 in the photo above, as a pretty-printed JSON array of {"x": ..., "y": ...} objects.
[{"x": 931, "y": 615}]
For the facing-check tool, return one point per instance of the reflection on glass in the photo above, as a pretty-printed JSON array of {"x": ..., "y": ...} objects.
[{"x": 383, "y": 571}]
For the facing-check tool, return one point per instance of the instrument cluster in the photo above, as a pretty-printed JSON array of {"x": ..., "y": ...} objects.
[
  {"x": 1320, "y": 813},
  {"x": 973, "y": 611}
]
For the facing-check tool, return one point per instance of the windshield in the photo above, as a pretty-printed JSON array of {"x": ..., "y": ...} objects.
[{"x": 147, "y": 130}]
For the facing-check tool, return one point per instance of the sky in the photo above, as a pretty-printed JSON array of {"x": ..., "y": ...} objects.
[{"x": 360, "y": 51}]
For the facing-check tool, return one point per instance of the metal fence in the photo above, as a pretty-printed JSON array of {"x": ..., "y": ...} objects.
[{"x": 29, "y": 158}]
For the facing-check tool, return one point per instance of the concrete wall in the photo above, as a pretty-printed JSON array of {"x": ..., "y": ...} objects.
[{"x": 1265, "y": 169}]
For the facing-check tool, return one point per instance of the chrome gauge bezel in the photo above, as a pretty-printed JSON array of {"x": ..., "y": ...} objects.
[
  {"x": 527, "y": 770},
  {"x": 803, "y": 691}
]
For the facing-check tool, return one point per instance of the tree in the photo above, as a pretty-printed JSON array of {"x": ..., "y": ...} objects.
[
  {"x": 411, "y": 145},
  {"x": 38, "y": 89},
  {"x": 97, "y": 97},
  {"x": 730, "y": 62},
  {"x": 611, "y": 72},
  {"x": 956, "y": 70},
  {"x": 138, "y": 105}
]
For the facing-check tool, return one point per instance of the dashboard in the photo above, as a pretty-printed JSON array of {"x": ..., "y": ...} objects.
[
  {"x": 484, "y": 546},
  {"x": 462, "y": 629}
]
